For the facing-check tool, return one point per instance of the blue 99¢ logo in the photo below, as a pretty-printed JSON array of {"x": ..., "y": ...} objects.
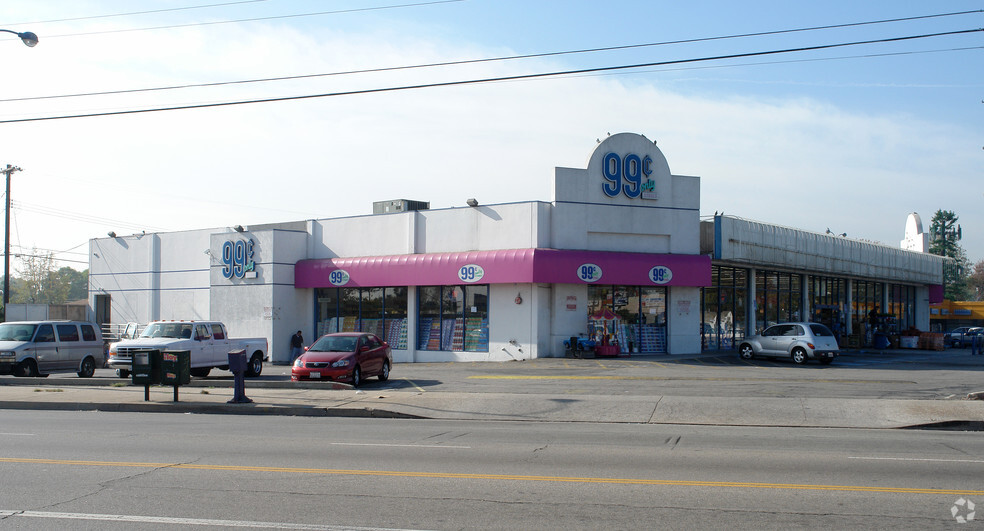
[
  {"x": 471, "y": 273},
  {"x": 237, "y": 258},
  {"x": 589, "y": 272},
  {"x": 338, "y": 277},
  {"x": 660, "y": 275}
]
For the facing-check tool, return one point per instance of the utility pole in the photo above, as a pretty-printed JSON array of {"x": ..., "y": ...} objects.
[{"x": 6, "y": 239}]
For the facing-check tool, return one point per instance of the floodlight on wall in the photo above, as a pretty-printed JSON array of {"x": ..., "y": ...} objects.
[
  {"x": 239, "y": 228},
  {"x": 111, "y": 234},
  {"x": 472, "y": 202}
]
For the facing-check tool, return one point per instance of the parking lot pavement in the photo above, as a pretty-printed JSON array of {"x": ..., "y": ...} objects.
[{"x": 856, "y": 391}]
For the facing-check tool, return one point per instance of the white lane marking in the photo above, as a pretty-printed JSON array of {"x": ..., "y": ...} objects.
[
  {"x": 919, "y": 459},
  {"x": 186, "y": 521},
  {"x": 403, "y": 445},
  {"x": 18, "y": 434}
]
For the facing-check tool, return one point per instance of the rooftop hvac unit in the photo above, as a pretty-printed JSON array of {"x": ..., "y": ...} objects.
[{"x": 398, "y": 205}]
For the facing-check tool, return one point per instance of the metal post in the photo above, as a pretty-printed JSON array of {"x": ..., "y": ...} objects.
[{"x": 6, "y": 240}]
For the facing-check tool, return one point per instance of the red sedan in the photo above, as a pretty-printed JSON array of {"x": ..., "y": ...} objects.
[{"x": 344, "y": 357}]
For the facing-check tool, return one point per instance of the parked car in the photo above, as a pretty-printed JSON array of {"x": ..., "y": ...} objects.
[
  {"x": 798, "y": 341},
  {"x": 955, "y": 337},
  {"x": 36, "y": 348},
  {"x": 969, "y": 335},
  {"x": 962, "y": 336},
  {"x": 344, "y": 357}
]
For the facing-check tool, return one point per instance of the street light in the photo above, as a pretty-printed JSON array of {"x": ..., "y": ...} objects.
[{"x": 28, "y": 37}]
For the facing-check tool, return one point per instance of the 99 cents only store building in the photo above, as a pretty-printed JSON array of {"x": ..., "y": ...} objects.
[{"x": 621, "y": 248}]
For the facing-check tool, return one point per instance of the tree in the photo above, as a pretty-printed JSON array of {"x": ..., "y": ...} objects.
[
  {"x": 74, "y": 284},
  {"x": 944, "y": 233},
  {"x": 37, "y": 273},
  {"x": 975, "y": 282}
]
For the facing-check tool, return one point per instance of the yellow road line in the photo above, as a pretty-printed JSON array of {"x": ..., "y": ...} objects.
[
  {"x": 501, "y": 477},
  {"x": 670, "y": 378}
]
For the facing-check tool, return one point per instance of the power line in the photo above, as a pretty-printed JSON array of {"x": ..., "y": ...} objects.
[
  {"x": 74, "y": 216},
  {"x": 812, "y": 60},
  {"x": 493, "y": 79},
  {"x": 92, "y": 17},
  {"x": 257, "y": 19},
  {"x": 491, "y": 59}
]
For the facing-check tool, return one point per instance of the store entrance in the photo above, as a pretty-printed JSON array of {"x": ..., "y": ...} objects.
[{"x": 631, "y": 317}]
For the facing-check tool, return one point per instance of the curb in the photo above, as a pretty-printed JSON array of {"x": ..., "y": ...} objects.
[{"x": 209, "y": 409}]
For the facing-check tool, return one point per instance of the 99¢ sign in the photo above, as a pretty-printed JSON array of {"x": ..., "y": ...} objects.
[
  {"x": 589, "y": 272},
  {"x": 471, "y": 273},
  {"x": 628, "y": 175},
  {"x": 660, "y": 275},
  {"x": 237, "y": 258},
  {"x": 338, "y": 277}
]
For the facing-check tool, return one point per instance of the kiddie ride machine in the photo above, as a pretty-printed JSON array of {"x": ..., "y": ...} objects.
[{"x": 602, "y": 339}]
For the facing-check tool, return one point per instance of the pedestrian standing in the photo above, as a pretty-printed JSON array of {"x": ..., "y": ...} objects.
[{"x": 296, "y": 345}]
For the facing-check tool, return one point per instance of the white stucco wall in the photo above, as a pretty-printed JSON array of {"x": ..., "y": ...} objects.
[
  {"x": 683, "y": 320},
  {"x": 152, "y": 276},
  {"x": 566, "y": 323}
]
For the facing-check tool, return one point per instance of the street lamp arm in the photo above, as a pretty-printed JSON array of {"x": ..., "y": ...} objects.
[{"x": 28, "y": 37}]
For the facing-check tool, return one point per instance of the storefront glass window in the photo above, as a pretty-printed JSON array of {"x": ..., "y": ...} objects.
[
  {"x": 453, "y": 318},
  {"x": 476, "y": 318},
  {"x": 724, "y": 308},
  {"x": 395, "y": 317},
  {"x": 327, "y": 320},
  {"x": 900, "y": 301},
  {"x": 349, "y": 310},
  {"x": 778, "y": 297},
  {"x": 711, "y": 315},
  {"x": 429, "y": 318},
  {"x": 632, "y": 316},
  {"x": 371, "y": 316},
  {"x": 380, "y": 311},
  {"x": 828, "y": 298}
]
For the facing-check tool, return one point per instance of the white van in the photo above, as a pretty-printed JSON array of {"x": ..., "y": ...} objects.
[{"x": 36, "y": 348}]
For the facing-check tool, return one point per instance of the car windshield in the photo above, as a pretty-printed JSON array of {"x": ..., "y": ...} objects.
[
  {"x": 17, "y": 332},
  {"x": 820, "y": 331},
  {"x": 334, "y": 344},
  {"x": 175, "y": 330}
]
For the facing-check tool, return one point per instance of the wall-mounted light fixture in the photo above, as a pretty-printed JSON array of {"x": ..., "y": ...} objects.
[
  {"x": 239, "y": 228},
  {"x": 472, "y": 202},
  {"x": 111, "y": 234}
]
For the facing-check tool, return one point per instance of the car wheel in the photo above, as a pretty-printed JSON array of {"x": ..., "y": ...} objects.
[
  {"x": 826, "y": 361},
  {"x": 356, "y": 376},
  {"x": 746, "y": 352},
  {"x": 27, "y": 369},
  {"x": 201, "y": 372},
  {"x": 88, "y": 368},
  {"x": 799, "y": 356},
  {"x": 122, "y": 373},
  {"x": 385, "y": 374},
  {"x": 255, "y": 366}
]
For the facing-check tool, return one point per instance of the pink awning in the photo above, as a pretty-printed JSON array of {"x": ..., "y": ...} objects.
[{"x": 548, "y": 266}]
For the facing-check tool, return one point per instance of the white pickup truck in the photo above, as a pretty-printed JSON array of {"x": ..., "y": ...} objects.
[{"x": 208, "y": 342}]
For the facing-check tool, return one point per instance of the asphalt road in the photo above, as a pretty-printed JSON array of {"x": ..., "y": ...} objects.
[{"x": 91, "y": 470}]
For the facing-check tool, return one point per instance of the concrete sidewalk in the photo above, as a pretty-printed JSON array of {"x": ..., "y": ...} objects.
[{"x": 338, "y": 400}]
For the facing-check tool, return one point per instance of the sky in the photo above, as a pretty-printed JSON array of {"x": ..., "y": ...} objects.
[{"x": 780, "y": 125}]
